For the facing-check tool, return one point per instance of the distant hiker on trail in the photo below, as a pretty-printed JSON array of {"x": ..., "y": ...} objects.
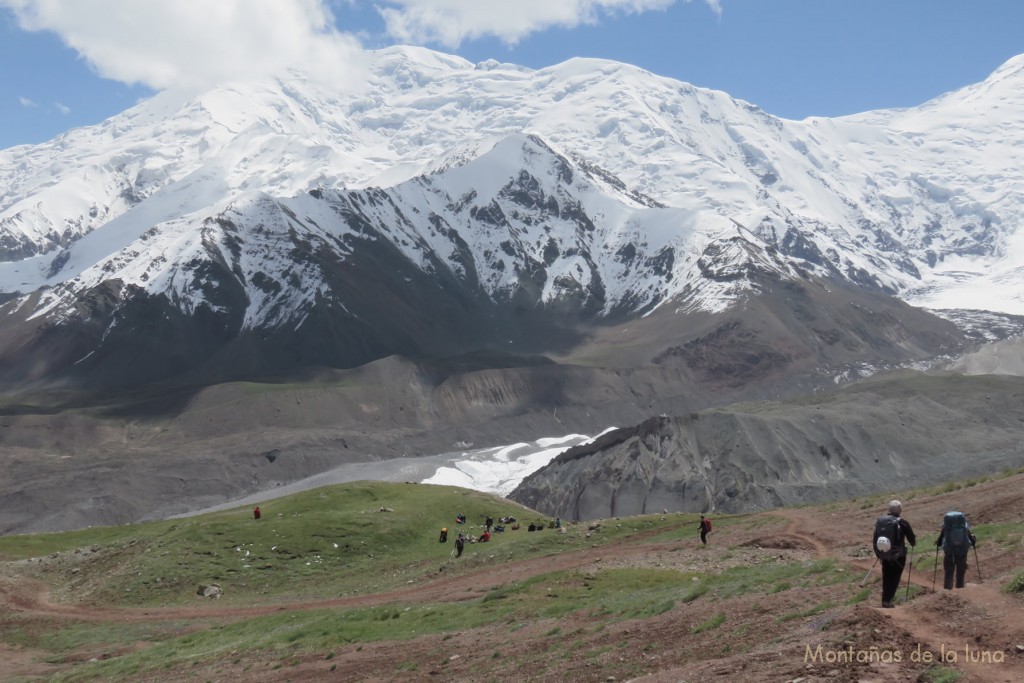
[
  {"x": 892, "y": 533},
  {"x": 705, "y": 529},
  {"x": 955, "y": 539},
  {"x": 256, "y": 512},
  {"x": 444, "y": 535},
  {"x": 460, "y": 543}
]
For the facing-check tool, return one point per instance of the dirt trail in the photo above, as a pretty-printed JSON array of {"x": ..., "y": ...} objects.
[
  {"x": 976, "y": 628},
  {"x": 32, "y": 598},
  {"x": 795, "y": 529},
  {"x": 976, "y": 623}
]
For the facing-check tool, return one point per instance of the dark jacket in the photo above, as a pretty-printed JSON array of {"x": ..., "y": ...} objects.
[{"x": 906, "y": 535}]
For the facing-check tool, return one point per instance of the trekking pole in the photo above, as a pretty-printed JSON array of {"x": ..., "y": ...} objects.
[
  {"x": 935, "y": 571},
  {"x": 977, "y": 564},
  {"x": 910, "y": 570},
  {"x": 869, "y": 571}
]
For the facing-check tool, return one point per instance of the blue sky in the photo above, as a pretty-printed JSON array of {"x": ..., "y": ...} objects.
[{"x": 793, "y": 58}]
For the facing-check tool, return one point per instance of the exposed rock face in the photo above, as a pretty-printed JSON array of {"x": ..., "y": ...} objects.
[
  {"x": 173, "y": 449},
  {"x": 898, "y": 431},
  {"x": 209, "y": 297}
]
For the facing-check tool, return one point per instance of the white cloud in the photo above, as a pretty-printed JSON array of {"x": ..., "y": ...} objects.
[
  {"x": 194, "y": 43},
  {"x": 26, "y": 102},
  {"x": 62, "y": 108},
  {"x": 450, "y": 22}
]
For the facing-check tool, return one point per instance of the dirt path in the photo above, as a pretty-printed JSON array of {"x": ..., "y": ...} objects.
[
  {"x": 978, "y": 624},
  {"x": 972, "y": 628},
  {"x": 795, "y": 530},
  {"x": 32, "y": 598},
  {"x": 977, "y": 628}
]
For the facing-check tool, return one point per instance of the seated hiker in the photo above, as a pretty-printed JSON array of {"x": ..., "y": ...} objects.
[
  {"x": 532, "y": 527},
  {"x": 485, "y": 536},
  {"x": 460, "y": 518}
]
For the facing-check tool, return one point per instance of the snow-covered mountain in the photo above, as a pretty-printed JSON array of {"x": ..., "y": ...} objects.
[{"x": 493, "y": 201}]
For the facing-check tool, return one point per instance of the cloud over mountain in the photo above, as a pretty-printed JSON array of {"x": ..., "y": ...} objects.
[
  {"x": 193, "y": 43},
  {"x": 451, "y": 22}
]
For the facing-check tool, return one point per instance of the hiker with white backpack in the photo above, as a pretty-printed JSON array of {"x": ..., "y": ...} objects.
[
  {"x": 955, "y": 539},
  {"x": 892, "y": 534}
]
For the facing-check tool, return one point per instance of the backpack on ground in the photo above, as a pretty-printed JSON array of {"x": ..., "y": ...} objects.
[
  {"x": 955, "y": 538},
  {"x": 888, "y": 526}
]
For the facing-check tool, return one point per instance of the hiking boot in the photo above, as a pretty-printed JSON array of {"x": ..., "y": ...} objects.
[{"x": 886, "y": 603}]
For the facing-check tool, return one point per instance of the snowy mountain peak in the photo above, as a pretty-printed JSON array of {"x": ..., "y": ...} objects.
[
  {"x": 1011, "y": 68},
  {"x": 590, "y": 188}
]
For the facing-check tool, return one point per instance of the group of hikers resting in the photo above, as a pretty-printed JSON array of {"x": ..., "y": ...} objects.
[{"x": 463, "y": 538}]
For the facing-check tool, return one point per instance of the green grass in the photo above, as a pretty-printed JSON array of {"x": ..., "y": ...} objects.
[
  {"x": 767, "y": 578},
  {"x": 604, "y": 596},
  {"x": 1016, "y": 585},
  {"x": 941, "y": 674},
  {"x": 809, "y": 612},
  {"x": 73, "y": 635},
  {"x": 1006, "y": 536},
  {"x": 323, "y": 543},
  {"x": 860, "y": 596},
  {"x": 712, "y": 623},
  {"x": 615, "y": 595},
  {"x": 290, "y": 554}
]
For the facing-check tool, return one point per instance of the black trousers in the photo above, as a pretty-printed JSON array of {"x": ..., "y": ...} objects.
[
  {"x": 892, "y": 572},
  {"x": 951, "y": 562},
  {"x": 704, "y": 536}
]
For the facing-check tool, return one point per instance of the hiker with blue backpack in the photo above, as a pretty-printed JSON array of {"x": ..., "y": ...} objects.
[
  {"x": 955, "y": 539},
  {"x": 892, "y": 533}
]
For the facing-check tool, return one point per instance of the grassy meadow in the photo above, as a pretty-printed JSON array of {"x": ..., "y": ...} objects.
[{"x": 365, "y": 539}]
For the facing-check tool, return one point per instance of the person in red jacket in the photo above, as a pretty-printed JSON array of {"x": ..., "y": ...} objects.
[
  {"x": 256, "y": 512},
  {"x": 705, "y": 529}
]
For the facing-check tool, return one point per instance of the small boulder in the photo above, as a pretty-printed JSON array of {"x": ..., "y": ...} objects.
[{"x": 212, "y": 591}]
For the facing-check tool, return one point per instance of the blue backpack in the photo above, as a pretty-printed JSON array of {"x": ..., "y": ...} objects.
[{"x": 955, "y": 537}]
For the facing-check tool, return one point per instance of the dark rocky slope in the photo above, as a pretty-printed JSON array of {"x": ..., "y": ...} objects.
[
  {"x": 73, "y": 458},
  {"x": 901, "y": 430}
]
